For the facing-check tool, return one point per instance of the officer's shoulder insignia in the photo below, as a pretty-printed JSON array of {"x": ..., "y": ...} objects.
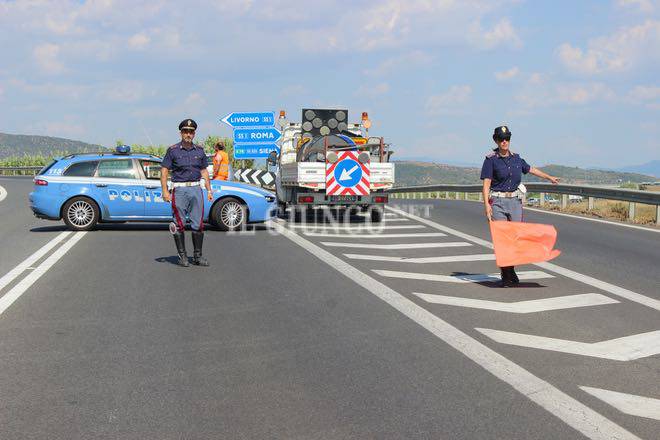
[{"x": 491, "y": 154}]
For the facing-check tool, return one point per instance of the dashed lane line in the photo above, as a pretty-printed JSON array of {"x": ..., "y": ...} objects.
[
  {"x": 397, "y": 246},
  {"x": 10, "y": 297},
  {"x": 628, "y": 403},
  {"x": 529, "y": 306},
  {"x": 602, "y": 285},
  {"x": 567, "y": 409},
  {"x": 466, "y": 278},
  {"x": 29, "y": 261}
]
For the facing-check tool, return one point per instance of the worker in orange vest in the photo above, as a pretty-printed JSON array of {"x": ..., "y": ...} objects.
[{"x": 220, "y": 162}]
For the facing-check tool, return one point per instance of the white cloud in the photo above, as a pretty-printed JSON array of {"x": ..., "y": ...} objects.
[
  {"x": 194, "y": 101},
  {"x": 293, "y": 90},
  {"x": 564, "y": 94},
  {"x": 621, "y": 51},
  {"x": 68, "y": 127},
  {"x": 649, "y": 96},
  {"x": 450, "y": 102},
  {"x": 123, "y": 91},
  {"x": 46, "y": 56},
  {"x": 502, "y": 34},
  {"x": 373, "y": 91},
  {"x": 507, "y": 74},
  {"x": 640, "y": 5},
  {"x": 139, "y": 41},
  {"x": 61, "y": 91},
  {"x": 406, "y": 60}
]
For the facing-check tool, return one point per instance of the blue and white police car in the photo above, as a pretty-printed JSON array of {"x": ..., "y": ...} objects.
[{"x": 90, "y": 188}]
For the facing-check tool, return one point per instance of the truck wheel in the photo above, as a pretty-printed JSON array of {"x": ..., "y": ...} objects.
[
  {"x": 80, "y": 214},
  {"x": 229, "y": 214},
  {"x": 377, "y": 214}
]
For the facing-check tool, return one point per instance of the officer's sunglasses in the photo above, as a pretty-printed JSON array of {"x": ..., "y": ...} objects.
[
  {"x": 503, "y": 139},
  {"x": 188, "y": 130}
]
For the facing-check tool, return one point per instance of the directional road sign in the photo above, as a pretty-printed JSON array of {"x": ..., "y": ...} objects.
[
  {"x": 347, "y": 176},
  {"x": 254, "y": 151},
  {"x": 249, "y": 119},
  {"x": 256, "y": 135}
]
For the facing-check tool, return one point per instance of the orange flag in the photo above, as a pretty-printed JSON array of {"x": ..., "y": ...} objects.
[{"x": 517, "y": 243}]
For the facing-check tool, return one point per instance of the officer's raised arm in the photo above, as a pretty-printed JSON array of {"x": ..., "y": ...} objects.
[{"x": 542, "y": 175}]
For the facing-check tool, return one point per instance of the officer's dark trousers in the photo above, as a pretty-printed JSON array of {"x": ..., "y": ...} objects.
[{"x": 188, "y": 202}]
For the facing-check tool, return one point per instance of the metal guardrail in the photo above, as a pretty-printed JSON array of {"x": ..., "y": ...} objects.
[
  {"x": 23, "y": 171},
  {"x": 591, "y": 192}
]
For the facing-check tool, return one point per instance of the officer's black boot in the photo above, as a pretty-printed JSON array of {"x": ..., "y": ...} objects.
[
  {"x": 513, "y": 277},
  {"x": 506, "y": 279},
  {"x": 198, "y": 240},
  {"x": 180, "y": 241}
]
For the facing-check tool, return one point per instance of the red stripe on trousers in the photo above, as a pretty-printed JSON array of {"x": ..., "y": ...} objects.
[{"x": 175, "y": 211}]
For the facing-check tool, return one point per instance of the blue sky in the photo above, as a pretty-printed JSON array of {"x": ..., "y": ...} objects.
[{"x": 578, "y": 83}]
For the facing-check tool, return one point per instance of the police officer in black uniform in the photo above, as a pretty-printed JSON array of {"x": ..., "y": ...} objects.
[
  {"x": 187, "y": 162},
  {"x": 502, "y": 172}
]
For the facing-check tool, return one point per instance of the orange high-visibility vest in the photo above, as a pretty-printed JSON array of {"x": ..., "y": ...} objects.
[{"x": 221, "y": 165}]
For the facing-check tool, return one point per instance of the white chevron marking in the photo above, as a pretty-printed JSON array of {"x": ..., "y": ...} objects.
[
  {"x": 387, "y": 236},
  {"x": 628, "y": 403},
  {"x": 421, "y": 260},
  {"x": 469, "y": 278},
  {"x": 353, "y": 227},
  {"x": 621, "y": 349},
  {"x": 530, "y": 306},
  {"x": 397, "y": 246}
]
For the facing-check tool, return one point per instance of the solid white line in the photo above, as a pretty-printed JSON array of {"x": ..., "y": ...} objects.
[
  {"x": 413, "y": 235},
  {"x": 628, "y": 403},
  {"x": 625, "y": 225},
  {"x": 29, "y": 261},
  {"x": 468, "y": 278},
  {"x": 423, "y": 260},
  {"x": 354, "y": 227},
  {"x": 399, "y": 219},
  {"x": 564, "y": 407},
  {"x": 3, "y": 193},
  {"x": 602, "y": 285},
  {"x": 530, "y": 306},
  {"x": 621, "y": 349},
  {"x": 16, "y": 292},
  {"x": 397, "y": 246}
]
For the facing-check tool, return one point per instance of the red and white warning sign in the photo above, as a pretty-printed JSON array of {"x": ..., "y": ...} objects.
[{"x": 347, "y": 176}]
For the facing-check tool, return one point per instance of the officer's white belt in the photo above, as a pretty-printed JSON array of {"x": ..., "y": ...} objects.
[
  {"x": 180, "y": 184},
  {"x": 506, "y": 194}
]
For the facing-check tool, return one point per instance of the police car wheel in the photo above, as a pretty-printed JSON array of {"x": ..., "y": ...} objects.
[
  {"x": 80, "y": 214},
  {"x": 229, "y": 214}
]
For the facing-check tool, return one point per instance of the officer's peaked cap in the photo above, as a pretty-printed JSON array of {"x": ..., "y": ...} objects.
[
  {"x": 501, "y": 132},
  {"x": 188, "y": 124}
]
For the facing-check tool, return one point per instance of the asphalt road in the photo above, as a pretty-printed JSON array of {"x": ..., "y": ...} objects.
[{"x": 289, "y": 336}]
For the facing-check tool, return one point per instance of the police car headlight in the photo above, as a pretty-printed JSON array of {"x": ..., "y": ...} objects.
[{"x": 270, "y": 199}]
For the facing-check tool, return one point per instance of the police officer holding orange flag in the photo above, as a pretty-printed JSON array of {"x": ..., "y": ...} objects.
[
  {"x": 187, "y": 162},
  {"x": 502, "y": 172}
]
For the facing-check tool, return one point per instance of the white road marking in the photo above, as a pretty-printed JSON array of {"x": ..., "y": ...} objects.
[
  {"x": 564, "y": 407},
  {"x": 413, "y": 235},
  {"x": 423, "y": 260},
  {"x": 468, "y": 278},
  {"x": 16, "y": 292},
  {"x": 29, "y": 261},
  {"x": 621, "y": 349},
  {"x": 625, "y": 225},
  {"x": 3, "y": 193},
  {"x": 530, "y": 306},
  {"x": 397, "y": 246},
  {"x": 354, "y": 227},
  {"x": 399, "y": 219},
  {"x": 628, "y": 403},
  {"x": 602, "y": 285}
]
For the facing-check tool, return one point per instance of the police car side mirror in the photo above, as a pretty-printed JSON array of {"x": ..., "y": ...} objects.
[{"x": 272, "y": 158}]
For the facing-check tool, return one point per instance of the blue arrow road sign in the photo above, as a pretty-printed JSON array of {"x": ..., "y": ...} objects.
[
  {"x": 254, "y": 151},
  {"x": 250, "y": 119},
  {"x": 348, "y": 173},
  {"x": 263, "y": 135}
]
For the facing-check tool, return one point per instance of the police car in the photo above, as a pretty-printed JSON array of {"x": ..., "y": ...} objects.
[{"x": 90, "y": 188}]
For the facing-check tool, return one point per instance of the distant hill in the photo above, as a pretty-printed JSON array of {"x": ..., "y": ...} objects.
[
  {"x": 652, "y": 168},
  {"x": 20, "y": 144},
  {"x": 425, "y": 173}
]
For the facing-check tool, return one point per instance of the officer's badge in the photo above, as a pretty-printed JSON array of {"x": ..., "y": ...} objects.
[
  {"x": 503, "y": 129},
  {"x": 189, "y": 123}
]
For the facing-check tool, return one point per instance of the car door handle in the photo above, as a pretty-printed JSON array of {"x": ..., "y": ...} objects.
[
  {"x": 151, "y": 187},
  {"x": 101, "y": 185}
]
